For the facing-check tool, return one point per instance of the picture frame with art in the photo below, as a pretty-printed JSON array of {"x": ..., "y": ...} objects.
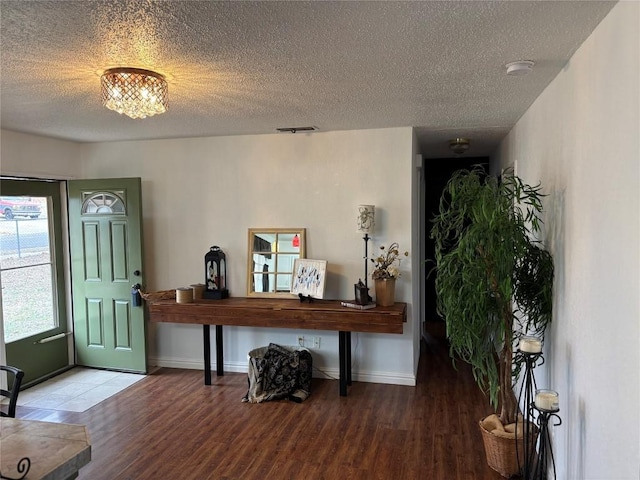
[{"x": 309, "y": 278}]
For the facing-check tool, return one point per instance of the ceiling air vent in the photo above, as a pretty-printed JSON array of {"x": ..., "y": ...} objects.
[{"x": 296, "y": 129}]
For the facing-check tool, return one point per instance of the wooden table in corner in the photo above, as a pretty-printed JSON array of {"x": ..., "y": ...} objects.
[{"x": 276, "y": 313}]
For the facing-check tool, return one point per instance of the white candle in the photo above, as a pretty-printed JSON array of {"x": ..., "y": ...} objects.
[
  {"x": 530, "y": 345},
  {"x": 547, "y": 400}
]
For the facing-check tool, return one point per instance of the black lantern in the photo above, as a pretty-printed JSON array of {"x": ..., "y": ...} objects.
[{"x": 215, "y": 274}]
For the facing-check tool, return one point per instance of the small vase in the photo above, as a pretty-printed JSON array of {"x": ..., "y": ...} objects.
[{"x": 385, "y": 291}]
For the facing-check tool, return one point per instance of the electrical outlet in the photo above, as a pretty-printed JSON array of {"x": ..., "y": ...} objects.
[
  {"x": 301, "y": 340},
  {"x": 316, "y": 342}
]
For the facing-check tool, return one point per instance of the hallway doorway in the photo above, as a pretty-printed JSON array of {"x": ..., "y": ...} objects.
[{"x": 436, "y": 174}]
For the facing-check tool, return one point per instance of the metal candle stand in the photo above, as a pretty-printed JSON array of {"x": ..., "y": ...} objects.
[
  {"x": 545, "y": 450},
  {"x": 366, "y": 258},
  {"x": 529, "y": 387},
  {"x": 366, "y": 298}
]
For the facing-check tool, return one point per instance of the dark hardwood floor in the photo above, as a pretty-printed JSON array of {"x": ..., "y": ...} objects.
[{"x": 170, "y": 425}]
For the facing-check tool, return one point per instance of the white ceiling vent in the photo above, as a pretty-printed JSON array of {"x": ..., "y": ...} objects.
[{"x": 296, "y": 129}]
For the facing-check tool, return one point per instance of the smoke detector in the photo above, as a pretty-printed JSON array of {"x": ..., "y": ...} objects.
[
  {"x": 519, "y": 68},
  {"x": 459, "y": 145}
]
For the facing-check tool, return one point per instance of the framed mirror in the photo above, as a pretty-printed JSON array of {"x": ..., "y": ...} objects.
[{"x": 272, "y": 253}]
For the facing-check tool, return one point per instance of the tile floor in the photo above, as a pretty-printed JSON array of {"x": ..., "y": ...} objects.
[{"x": 77, "y": 389}]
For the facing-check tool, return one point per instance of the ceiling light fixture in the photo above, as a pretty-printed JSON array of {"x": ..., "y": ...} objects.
[
  {"x": 519, "y": 68},
  {"x": 459, "y": 145},
  {"x": 135, "y": 92}
]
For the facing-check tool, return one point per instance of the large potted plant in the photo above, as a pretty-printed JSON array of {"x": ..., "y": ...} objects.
[{"x": 493, "y": 282}]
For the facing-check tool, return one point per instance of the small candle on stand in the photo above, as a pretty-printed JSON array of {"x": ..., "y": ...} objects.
[
  {"x": 547, "y": 400},
  {"x": 530, "y": 345}
]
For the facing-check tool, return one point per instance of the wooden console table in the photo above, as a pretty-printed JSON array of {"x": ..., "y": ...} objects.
[{"x": 276, "y": 313}]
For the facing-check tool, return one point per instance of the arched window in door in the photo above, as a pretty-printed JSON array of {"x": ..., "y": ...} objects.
[{"x": 105, "y": 203}]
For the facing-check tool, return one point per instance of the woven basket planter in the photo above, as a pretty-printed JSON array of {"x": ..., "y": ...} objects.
[{"x": 503, "y": 453}]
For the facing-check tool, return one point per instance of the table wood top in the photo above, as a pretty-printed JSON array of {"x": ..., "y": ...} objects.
[
  {"x": 56, "y": 450},
  {"x": 281, "y": 313}
]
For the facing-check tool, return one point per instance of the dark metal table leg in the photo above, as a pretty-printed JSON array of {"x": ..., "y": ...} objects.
[
  {"x": 207, "y": 354},
  {"x": 219, "y": 352},
  {"x": 348, "y": 357},
  {"x": 342, "y": 350}
]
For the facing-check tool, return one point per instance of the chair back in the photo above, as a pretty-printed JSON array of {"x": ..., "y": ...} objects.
[{"x": 12, "y": 393}]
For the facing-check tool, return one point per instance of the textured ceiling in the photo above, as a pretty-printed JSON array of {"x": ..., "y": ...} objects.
[{"x": 250, "y": 67}]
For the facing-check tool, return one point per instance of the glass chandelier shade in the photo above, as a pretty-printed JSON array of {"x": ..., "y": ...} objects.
[{"x": 135, "y": 92}]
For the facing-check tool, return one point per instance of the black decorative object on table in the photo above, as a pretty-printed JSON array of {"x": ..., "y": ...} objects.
[
  {"x": 303, "y": 298},
  {"x": 361, "y": 292},
  {"x": 215, "y": 274},
  {"x": 526, "y": 458}
]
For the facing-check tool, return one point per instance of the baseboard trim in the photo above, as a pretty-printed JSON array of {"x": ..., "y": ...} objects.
[
  {"x": 391, "y": 378},
  {"x": 189, "y": 364}
]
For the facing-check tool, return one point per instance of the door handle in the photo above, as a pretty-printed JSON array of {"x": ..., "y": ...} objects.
[{"x": 52, "y": 338}]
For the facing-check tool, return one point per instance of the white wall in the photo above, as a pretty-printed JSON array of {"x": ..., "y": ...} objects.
[
  {"x": 38, "y": 157},
  {"x": 201, "y": 192},
  {"x": 580, "y": 138}
]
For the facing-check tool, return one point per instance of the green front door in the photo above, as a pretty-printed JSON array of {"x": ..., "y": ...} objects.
[{"x": 105, "y": 235}]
